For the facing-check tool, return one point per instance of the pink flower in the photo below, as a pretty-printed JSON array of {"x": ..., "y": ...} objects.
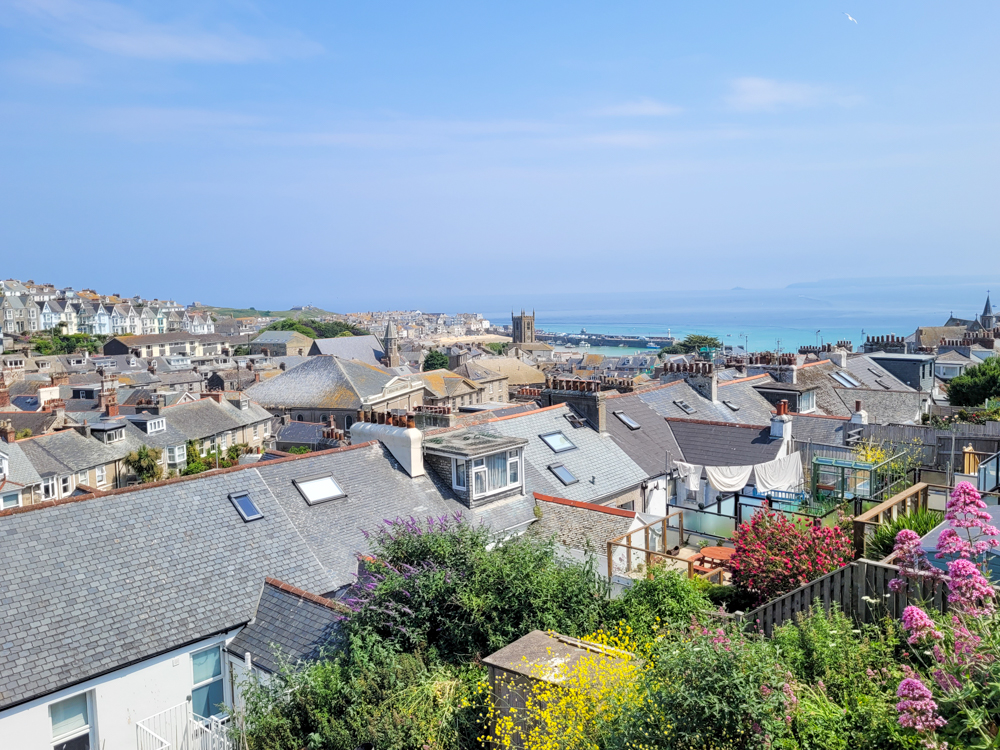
[
  {"x": 917, "y": 709},
  {"x": 920, "y": 626},
  {"x": 969, "y": 592}
]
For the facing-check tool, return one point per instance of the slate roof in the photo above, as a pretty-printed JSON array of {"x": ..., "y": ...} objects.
[
  {"x": 278, "y": 337},
  {"x": 648, "y": 446},
  {"x": 753, "y": 408},
  {"x": 819, "y": 429},
  {"x": 19, "y": 469},
  {"x": 377, "y": 488},
  {"x": 597, "y": 461},
  {"x": 322, "y": 382},
  {"x": 206, "y": 417},
  {"x": 288, "y": 627},
  {"x": 899, "y": 405},
  {"x": 708, "y": 444},
  {"x": 134, "y": 574},
  {"x": 517, "y": 372},
  {"x": 580, "y": 526},
  {"x": 305, "y": 433},
  {"x": 362, "y": 348},
  {"x": 444, "y": 383},
  {"x": 476, "y": 371},
  {"x": 39, "y": 422},
  {"x": 66, "y": 452}
]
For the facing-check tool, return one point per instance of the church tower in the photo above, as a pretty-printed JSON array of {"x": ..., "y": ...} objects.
[
  {"x": 988, "y": 320},
  {"x": 523, "y": 326},
  {"x": 390, "y": 343}
]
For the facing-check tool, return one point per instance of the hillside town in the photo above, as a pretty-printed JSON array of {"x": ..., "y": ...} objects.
[{"x": 202, "y": 491}]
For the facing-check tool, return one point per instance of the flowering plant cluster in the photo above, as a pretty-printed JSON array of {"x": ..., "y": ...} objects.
[
  {"x": 958, "y": 695},
  {"x": 774, "y": 555}
]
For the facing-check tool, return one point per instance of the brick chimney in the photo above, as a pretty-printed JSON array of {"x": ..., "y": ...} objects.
[
  {"x": 4, "y": 393},
  {"x": 7, "y": 431},
  {"x": 108, "y": 401},
  {"x": 860, "y": 416}
]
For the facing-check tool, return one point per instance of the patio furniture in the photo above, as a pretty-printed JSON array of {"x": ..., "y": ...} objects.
[{"x": 717, "y": 556}]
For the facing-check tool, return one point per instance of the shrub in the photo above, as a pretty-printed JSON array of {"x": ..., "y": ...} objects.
[
  {"x": 666, "y": 597},
  {"x": 440, "y": 588},
  {"x": 883, "y": 540},
  {"x": 774, "y": 555}
]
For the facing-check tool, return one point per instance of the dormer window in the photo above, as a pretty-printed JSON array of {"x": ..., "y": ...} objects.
[
  {"x": 156, "y": 425},
  {"x": 113, "y": 436}
]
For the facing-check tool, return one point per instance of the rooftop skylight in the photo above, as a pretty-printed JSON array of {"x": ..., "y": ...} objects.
[
  {"x": 563, "y": 474},
  {"x": 845, "y": 379},
  {"x": 731, "y": 405},
  {"x": 558, "y": 442},
  {"x": 319, "y": 489},
  {"x": 245, "y": 506},
  {"x": 683, "y": 406},
  {"x": 626, "y": 420}
]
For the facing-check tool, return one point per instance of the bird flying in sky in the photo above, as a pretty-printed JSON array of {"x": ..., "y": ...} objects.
[{"x": 850, "y": 17}]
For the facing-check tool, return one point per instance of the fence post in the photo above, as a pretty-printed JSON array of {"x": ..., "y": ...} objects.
[
  {"x": 645, "y": 530},
  {"x": 859, "y": 538},
  {"x": 610, "y": 573},
  {"x": 860, "y": 583},
  {"x": 680, "y": 526}
]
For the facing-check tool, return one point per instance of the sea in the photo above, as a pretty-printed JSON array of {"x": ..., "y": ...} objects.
[{"x": 810, "y": 313}]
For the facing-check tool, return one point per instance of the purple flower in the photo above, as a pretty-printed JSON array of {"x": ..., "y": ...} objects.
[
  {"x": 917, "y": 709},
  {"x": 920, "y": 626},
  {"x": 969, "y": 592}
]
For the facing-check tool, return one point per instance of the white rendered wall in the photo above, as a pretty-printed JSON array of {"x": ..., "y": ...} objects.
[{"x": 121, "y": 699}]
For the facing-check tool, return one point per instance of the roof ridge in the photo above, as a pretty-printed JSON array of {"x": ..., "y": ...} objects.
[
  {"x": 303, "y": 594},
  {"x": 525, "y": 413},
  {"x": 648, "y": 390},
  {"x": 817, "y": 416},
  {"x": 176, "y": 480},
  {"x": 719, "y": 424},
  {"x": 586, "y": 506},
  {"x": 744, "y": 380}
]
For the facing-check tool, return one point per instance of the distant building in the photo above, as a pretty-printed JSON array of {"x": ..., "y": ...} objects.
[{"x": 281, "y": 344}]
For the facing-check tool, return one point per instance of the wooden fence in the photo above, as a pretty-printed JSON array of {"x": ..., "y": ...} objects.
[
  {"x": 900, "y": 504},
  {"x": 860, "y": 588},
  {"x": 939, "y": 447}
]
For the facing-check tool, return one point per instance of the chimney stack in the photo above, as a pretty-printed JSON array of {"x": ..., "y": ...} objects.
[
  {"x": 7, "y": 431},
  {"x": 860, "y": 416},
  {"x": 781, "y": 423}
]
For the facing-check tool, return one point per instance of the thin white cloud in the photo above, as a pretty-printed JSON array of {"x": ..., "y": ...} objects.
[
  {"x": 48, "y": 69},
  {"x": 752, "y": 94},
  {"x": 116, "y": 30},
  {"x": 644, "y": 107},
  {"x": 143, "y": 123}
]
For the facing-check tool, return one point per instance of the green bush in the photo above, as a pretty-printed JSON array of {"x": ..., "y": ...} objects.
[
  {"x": 883, "y": 540},
  {"x": 441, "y": 589},
  {"x": 668, "y": 598}
]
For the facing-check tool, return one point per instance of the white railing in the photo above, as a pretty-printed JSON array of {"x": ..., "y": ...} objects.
[{"x": 178, "y": 728}]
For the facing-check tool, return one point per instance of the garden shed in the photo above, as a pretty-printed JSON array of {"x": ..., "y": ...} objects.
[{"x": 538, "y": 657}]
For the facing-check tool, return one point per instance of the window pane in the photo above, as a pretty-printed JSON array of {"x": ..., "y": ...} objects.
[
  {"x": 77, "y": 743},
  {"x": 207, "y": 664},
  {"x": 480, "y": 477},
  {"x": 69, "y": 715},
  {"x": 9, "y": 501},
  {"x": 459, "y": 473},
  {"x": 205, "y": 700},
  {"x": 514, "y": 471},
  {"x": 317, "y": 490},
  {"x": 558, "y": 442},
  {"x": 496, "y": 466}
]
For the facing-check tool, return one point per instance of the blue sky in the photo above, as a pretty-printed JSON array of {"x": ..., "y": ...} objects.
[{"x": 349, "y": 154}]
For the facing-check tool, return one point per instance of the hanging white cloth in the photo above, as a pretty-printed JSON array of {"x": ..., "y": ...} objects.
[
  {"x": 690, "y": 473},
  {"x": 780, "y": 474},
  {"x": 728, "y": 478}
]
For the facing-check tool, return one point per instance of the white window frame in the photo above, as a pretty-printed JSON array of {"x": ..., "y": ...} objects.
[
  {"x": 89, "y": 730},
  {"x": 267, "y": 429},
  {"x": 256, "y": 433},
  {"x": 479, "y": 469},
  {"x": 455, "y": 463},
  {"x": 65, "y": 485},
  {"x": 82, "y": 477},
  {"x": 7, "y": 496},
  {"x": 513, "y": 460},
  {"x": 102, "y": 475},
  {"x": 220, "y": 678}
]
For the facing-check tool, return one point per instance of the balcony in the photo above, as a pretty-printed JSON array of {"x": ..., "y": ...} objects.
[{"x": 178, "y": 728}]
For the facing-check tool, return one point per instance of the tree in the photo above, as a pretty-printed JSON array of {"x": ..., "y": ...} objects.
[
  {"x": 21, "y": 434},
  {"x": 145, "y": 464},
  {"x": 315, "y": 329},
  {"x": 435, "y": 360},
  {"x": 692, "y": 343},
  {"x": 299, "y": 450},
  {"x": 976, "y": 384},
  {"x": 497, "y": 346}
]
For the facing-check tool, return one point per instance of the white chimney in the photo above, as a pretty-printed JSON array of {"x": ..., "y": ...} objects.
[
  {"x": 860, "y": 416},
  {"x": 405, "y": 443},
  {"x": 781, "y": 423}
]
